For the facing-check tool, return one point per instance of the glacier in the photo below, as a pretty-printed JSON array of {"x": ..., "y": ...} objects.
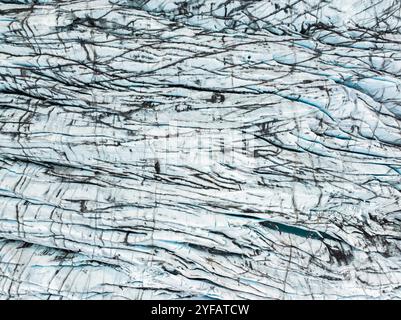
[{"x": 200, "y": 149}]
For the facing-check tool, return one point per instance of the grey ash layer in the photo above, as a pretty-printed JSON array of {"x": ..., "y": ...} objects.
[{"x": 200, "y": 149}]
